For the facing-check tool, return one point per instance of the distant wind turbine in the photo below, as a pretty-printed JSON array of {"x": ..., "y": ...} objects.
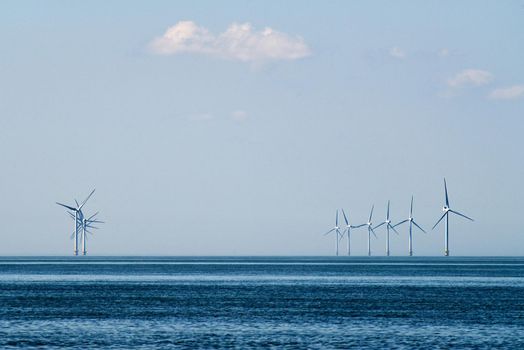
[
  {"x": 335, "y": 229},
  {"x": 86, "y": 225},
  {"x": 411, "y": 223},
  {"x": 369, "y": 224},
  {"x": 347, "y": 231},
  {"x": 446, "y": 209},
  {"x": 388, "y": 226},
  {"x": 78, "y": 216}
]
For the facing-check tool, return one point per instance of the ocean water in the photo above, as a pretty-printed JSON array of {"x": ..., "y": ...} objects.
[{"x": 261, "y": 302}]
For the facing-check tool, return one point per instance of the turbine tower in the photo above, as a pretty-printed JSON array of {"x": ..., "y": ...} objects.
[
  {"x": 446, "y": 209},
  {"x": 336, "y": 229},
  {"x": 411, "y": 223},
  {"x": 78, "y": 216},
  {"x": 388, "y": 226},
  {"x": 347, "y": 231}
]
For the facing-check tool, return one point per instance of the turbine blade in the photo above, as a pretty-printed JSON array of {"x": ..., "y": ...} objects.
[
  {"x": 92, "y": 216},
  {"x": 446, "y": 190},
  {"x": 371, "y": 213},
  {"x": 85, "y": 200},
  {"x": 464, "y": 216},
  {"x": 72, "y": 235},
  {"x": 400, "y": 223},
  {"x": 420, "y": 228},
  {"x": 345, "y": 217},
  {"x": 77, "y": 205},
  {"x": 336, "y": 219},
  {"x": 388, "y": 211},
  {"x": 374, "y": 228},
  {"x": 358, "y": 226},
  {"x": 66, "y": 206},
  {"x": 329, "y": 231},
  {"x": 373, "y": 232},
  {"x": 411, "y": 208},
  {"x": 96, "y": 221},
  {"x": 439, "y": 220},
  {"x": 393, "y": 228}
]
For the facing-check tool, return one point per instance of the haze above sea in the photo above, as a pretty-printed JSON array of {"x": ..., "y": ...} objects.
[{"x": 261, "y": 302}]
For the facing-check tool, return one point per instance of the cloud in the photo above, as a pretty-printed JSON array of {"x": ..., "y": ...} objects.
[
  {"x": 239, "y": 115},
  {"x": 472, "y": 77},
  {"x": 444, "y": 52},
  {"x": 397, "y": 52},
  {"x": 240, "y": 42},
  {"x": 512, "y": 92}
]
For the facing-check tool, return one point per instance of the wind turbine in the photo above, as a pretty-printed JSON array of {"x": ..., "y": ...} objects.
[
  {"x": 78, "y": 216},
  {"x": 337, "y": 231},
  {"x": 347, "y": 231},
  {"x": 446, "y": 209},
  {"x": 369, "y": 224},
  {"x": 388, "y": 226},
  {"x": 88, "y": 224},
  {"x": 411, "y": 223}
]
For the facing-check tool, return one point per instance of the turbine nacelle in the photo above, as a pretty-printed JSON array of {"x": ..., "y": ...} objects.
[{"x": 445, "y": 209}]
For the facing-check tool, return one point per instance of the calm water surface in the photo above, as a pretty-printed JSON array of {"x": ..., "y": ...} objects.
[{"x": 256, "y": 302}]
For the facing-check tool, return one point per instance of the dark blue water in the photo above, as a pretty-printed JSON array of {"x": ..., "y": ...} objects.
[{"x": 315, "y": 303}]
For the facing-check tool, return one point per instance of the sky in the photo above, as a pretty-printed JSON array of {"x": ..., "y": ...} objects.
[{"x": 240, "y": 127}]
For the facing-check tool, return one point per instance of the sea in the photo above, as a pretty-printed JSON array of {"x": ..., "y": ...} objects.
[{"x": 261, "y": 302}]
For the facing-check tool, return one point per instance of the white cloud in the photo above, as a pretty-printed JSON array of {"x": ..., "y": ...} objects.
[
  {"x": 444, "y": 52},
  {"x": 239, "y": 115},
  {"x": 516, "y": 91},
  {"x": 397, "y": 52},
  {"x": 239, "y": 42},
  {"x": 473, "y": 77}
]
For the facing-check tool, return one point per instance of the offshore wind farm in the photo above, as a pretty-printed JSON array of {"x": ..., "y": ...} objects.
[
  {"x": 83, "y": 226},
  {"x": 390, "y": 226}
]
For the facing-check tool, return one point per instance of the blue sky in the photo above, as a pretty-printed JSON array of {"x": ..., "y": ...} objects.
[{"x": 240, "y": 127}]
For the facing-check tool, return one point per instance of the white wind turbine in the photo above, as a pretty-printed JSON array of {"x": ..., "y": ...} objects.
[
  {"x": 335, "y": 229},
  {"x": 347, "y": 231},
  {"x": 411, "y": 223},
  {"x": 369, "y": 224},
  {"x": 86, "y": 225},
  {"x": 78, "y": 216},
  {"x": 388, "y": 226},
  {"x": 446, "y": 209}
]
